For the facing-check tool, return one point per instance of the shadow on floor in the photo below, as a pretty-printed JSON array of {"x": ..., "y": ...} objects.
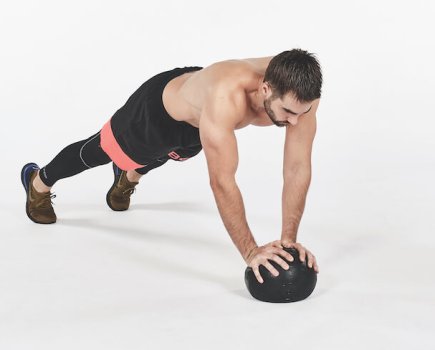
[
  {"x": 159, "y": 262},
  {"x": 175, "y": 206}
]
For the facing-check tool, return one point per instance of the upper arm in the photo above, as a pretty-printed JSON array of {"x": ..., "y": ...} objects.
[
  {"x": 219, "y": 117},
  {"x": 299, "y": 142}
]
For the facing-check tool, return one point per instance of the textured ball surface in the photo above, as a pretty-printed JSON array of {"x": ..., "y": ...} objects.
[{"x": 294, "y": 284}]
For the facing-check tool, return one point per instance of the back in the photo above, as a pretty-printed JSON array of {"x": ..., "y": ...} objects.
[{"x": 187, "y": 96}]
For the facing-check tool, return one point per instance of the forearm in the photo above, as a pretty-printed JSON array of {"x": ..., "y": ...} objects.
[
  {"x": 294, "y": 195},
  {"x": 230, "y": 205}
]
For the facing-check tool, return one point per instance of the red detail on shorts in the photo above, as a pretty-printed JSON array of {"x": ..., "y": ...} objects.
[
  {"x": 114, "y": 151},
  {"x": 173, "y": 155}
]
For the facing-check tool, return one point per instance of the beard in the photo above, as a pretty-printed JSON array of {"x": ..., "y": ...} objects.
[{"x": 267, "y": 106}]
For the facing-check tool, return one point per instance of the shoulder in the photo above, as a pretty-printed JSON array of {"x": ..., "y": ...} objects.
[
  {"x": 224, "y": 106},
  {"x": 225, "y": 95}
]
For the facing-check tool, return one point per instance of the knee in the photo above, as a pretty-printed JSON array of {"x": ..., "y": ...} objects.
[{"x": 93, "y": 155}]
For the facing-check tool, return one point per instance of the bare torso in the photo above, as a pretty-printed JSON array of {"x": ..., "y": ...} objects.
[{"x": 184, "y": 96}]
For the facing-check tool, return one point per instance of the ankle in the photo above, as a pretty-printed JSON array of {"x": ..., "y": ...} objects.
[
  {"x": 39, "y": 186},
  {"x": 133, "y": 176}
]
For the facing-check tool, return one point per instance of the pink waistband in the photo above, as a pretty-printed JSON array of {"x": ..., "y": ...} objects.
[{"x": 114, "y": 151}]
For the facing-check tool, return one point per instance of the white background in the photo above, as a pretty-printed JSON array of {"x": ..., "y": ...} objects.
[{"x": 165, "y": 274}]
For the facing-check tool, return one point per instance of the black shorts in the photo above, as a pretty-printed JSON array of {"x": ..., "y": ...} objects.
[{"x": 142, "y": 131}]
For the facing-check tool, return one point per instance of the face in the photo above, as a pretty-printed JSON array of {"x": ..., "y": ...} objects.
[{"x": 284, "y": 111}]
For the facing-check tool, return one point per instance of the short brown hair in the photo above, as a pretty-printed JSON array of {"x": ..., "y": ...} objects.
[{"x": 296, "y": 71}]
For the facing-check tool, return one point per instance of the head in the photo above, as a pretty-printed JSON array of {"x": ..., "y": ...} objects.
[{"x": 293, "y": 80}]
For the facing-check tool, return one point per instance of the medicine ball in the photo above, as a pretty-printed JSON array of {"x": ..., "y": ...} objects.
[{"x": 294, "y": 284}]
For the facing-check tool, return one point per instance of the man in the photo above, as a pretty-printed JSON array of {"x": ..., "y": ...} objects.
[{"x": 176, "y": 113}]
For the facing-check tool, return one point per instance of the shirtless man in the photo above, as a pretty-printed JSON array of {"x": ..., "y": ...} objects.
[{"x": 176, "y": 113}]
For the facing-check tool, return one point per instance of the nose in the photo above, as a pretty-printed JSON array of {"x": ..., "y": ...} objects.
[{"x": 293, "y": 120}]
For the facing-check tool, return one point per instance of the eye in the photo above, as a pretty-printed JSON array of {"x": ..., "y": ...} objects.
[{"x": 288, "y": 112}]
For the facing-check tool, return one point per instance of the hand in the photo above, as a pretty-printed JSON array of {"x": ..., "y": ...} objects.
[
  {"x": 303, "y": 252},
  {"x": 261, "y": 256}
]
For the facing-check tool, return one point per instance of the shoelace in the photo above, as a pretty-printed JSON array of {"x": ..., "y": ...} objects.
[
  {"x": 129, "y": 191},
  {"x": 46, "y": 201}
]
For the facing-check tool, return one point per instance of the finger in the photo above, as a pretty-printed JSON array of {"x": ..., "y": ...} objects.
[
  {"x": 276, "y": 244},
  {"x": 311, "y": 260},
  {"x": 288, "y": 244},
  {"x": 283, "y": 253},
  {"x": 257, "y": 274},
  {"x": 286, "y": 255},
  {"x": 312, "y": 263},
  {"x": 302, "y": 253},
  {"x": 316, "y": 267},
  {"x": 281, "y": 262},
  {"x": 270, "y": 267},
  {"x": 296, "y": 246}
]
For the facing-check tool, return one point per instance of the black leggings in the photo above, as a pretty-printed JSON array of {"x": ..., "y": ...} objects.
[{"x": 80, "y": 156}]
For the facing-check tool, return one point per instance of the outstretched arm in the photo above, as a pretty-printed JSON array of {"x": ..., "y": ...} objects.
[
  {"x": 297, "y": 173},
  {"x": 218, "y": 119}
]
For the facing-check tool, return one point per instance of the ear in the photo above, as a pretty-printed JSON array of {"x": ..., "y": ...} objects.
[{"x": 266, "y": 89}]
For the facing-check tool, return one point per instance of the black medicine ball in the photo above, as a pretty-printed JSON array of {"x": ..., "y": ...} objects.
[{"x": 294, "y": 284}]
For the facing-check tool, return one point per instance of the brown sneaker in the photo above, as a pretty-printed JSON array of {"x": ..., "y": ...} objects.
[
  {"x": 118, "y": 197},
  {"x": 39, "y": 207}
]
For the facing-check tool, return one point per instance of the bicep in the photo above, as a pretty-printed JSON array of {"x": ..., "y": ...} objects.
[
  {"x": 216, "y": 130},
  {"x": 220, "y": 149}
]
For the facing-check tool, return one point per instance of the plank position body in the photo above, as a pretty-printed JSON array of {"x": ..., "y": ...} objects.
[{"x": 175, "y": 114}]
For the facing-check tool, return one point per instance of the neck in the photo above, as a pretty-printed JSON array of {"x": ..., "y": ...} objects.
[{"x": 256, "y": 97}]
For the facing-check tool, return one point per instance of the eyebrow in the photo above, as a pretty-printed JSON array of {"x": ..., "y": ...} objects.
[{"x": 290, "y": 111}]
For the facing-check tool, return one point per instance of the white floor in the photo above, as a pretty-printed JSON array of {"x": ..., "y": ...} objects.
[{"x": 165, "y": 274}]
